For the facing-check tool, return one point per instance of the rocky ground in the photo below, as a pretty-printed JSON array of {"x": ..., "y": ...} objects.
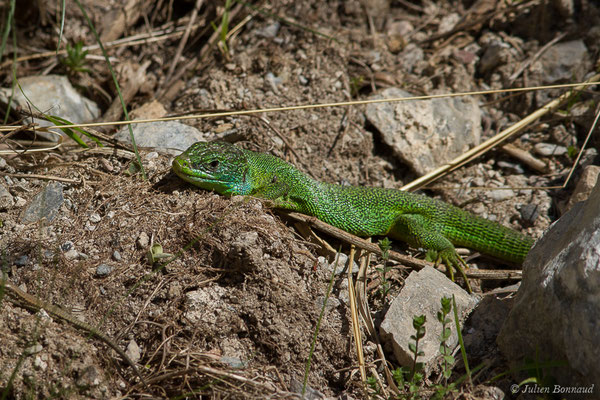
[{"x": 234, "y": 313}]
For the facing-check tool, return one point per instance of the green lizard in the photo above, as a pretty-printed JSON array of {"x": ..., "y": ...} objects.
[{"x": 419, "y": 220}]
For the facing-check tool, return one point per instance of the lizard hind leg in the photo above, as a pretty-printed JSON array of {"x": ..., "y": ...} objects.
[{"x": 418, "y": 231}]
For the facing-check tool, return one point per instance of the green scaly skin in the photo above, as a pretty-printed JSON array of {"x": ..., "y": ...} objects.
[{"x": 420, "y": 221}]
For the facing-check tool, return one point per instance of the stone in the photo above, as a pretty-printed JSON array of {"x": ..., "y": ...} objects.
[
  {"x": 426, "y": 133},
  {"x": 54, "y": 95},
  {"x": 549, "y": 149},
  {"x": 133, "y": 351},
  {"x": 566, "y": 61},
  {"x": 143, "y": 241},
  {"x": 556, "y": 315},
  {"x": 103, "y": 270},
  {"x": 170, "y": 137},
  {"x": 496, "y": 53},
  {"x": 6, "y": 199},
  {"x": 21, "y": 261},
  {"x": 421, "y": 295},
  {"x": 586, "y": 183},
  {"x": 45, "y": 204}
]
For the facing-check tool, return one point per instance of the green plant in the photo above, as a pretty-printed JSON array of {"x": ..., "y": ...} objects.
[
  {"x": 412, "y": 376},
  {"x": 356, "y": 83},
  {"x": 372, "y": 385},
  {"x": 385, "y": 244},
  {"x": 447, "y": 358},
  {"x": 223, "y": 29},
  {"x": 75, "y": 59}
]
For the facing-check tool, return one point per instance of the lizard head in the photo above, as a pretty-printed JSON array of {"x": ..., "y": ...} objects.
[{"x": 217, "y": 166}]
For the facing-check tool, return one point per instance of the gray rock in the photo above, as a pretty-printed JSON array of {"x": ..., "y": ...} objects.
[
  {"x": 143, "y": 241},
  {"x": 500, "y": 194},
  {"x": 556, "y": 316},
  {"x": 21, "y": 261},
  {"x": 34, "y": 349},
  {"x": 567, "y": 61},
  {"x": 426, "y": 133},
  {"x": 54, "y": 95},
  {"x": 233, "y": 362},
  {"x": 512, "y": 167},
  {"x": 410, "y": 57},
  {"x": 40, "y": 364},
  {"x": 587, "y": 181},
  {"x": 549, "y": 149},
  {"x": 103, "y": 270},
  {"x": 529, "y": 212},
  {"x": 496, "y": 53},
  {"x": 45, "y": 204},
  {"x": 133, "y": 351},
  {"x": 71, "y": 254},
  {"x": 6, "y": 199},
  {"x": 269, "y": 31},
  {"x": 309, "y": 394},
  {"x": 166, "y": 136},
  {"x": 342, "y": 264},
  {"x": 421, "y": 296},
  {"x": 116, "y": 255}
]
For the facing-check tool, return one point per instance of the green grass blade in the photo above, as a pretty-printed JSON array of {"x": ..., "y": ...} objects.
[
  {"x": 63, "y": 9},
  {"x": 114, "y": 77},
  {"x": 463, "y": 351},
  {"x": 7, "y": 26},
  {"x": 318, "y": 327}
]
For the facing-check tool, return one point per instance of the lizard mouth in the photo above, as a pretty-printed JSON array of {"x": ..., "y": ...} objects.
[{"x": 196, "y": 177}]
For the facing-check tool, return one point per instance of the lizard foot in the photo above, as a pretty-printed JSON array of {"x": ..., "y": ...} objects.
[{"x": 453, "y": 261}]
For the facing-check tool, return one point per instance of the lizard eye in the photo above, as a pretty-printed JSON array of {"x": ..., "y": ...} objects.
[{"x": 214, "y": 164}]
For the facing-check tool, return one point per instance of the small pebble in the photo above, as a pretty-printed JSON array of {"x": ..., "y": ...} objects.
[
  {"x": 143, "y": 241},
  {"x": 20, "y": 202},
  {"x": 103, "y": 270},
  {"x": 39, "y": 363},
  {"x": 152, "y": 155},
  {"x": 36, "y": 348},
  {"x": 529, "y": 212},
  {"x": 21, "y": 261},
  {"x": 233, "y": 362},
  {"x": 116, "y": 256},
  {"x": 549, "y": 149},
  {"x": 95, "y": 218},
  {"x": 66, "y": 246},
  {"x": 516, "y": 168},
  {"x": 71, "y": 254},
  {"x": 133, "y": 351},
  {"x": 500, "y": 194}
]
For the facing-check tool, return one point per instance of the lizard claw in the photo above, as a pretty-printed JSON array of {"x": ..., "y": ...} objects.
[{"x": 453, "y": 261}]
